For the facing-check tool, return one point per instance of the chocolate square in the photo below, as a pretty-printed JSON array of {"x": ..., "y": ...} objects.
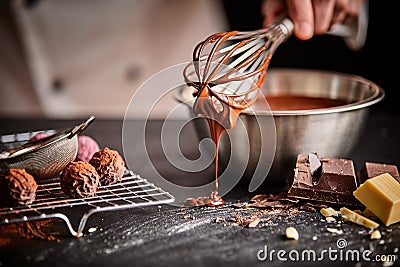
[
  {"x": 372, "y": 169},
  {"x": 338, "y": 175},
  {"x": 335, "y": 183}
]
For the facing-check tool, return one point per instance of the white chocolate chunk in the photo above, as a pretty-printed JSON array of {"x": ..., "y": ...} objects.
[
  {"x": 376, "y": 234},
  {"x": 329, "y": 212},
  {"x": 354, "y": 217},
  {"x": 381, "y": 195}
]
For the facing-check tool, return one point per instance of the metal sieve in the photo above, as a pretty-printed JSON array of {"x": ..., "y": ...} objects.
[{"x": 47, "y": 157}]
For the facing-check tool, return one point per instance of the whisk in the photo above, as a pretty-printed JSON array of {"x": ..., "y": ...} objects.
[{"x": 234, "y": 56}]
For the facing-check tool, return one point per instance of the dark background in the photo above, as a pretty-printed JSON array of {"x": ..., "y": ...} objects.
[{"x": 376, "y": 61}]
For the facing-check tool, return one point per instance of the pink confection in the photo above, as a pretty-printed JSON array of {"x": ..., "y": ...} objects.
[
  {"x": 87, "y": 146},
  {"x": 39, "y": 136}
]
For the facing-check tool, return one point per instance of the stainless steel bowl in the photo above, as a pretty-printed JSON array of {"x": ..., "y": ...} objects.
[{"x": 331, "y": 132}]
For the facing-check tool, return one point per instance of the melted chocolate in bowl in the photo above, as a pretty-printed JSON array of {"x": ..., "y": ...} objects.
[{"x": 294, "y": 102}]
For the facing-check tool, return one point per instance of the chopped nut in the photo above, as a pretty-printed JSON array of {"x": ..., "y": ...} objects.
[
  {"x": 351, "y": 216},
  {"x": 292, "y": 233},
  {"x": 330, "y": 219},
  {"x": 254, "y": 222},
  {"x": 335, "y": 231},
  {"x": 375, "y": 234},
  {"x": 329, "y": 212},
  {"x": 387, "y": 263},
  {"x": 92, "y": 229},
  {"x": 233, "y": 219},
  {"x": 219, "y": 220}
]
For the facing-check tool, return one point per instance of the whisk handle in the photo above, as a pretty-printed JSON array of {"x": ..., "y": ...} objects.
[
  {"x": 287, "y": 26},
  {"x": 353, "y": 30}
]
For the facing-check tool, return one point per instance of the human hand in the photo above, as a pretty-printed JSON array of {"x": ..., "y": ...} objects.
[{"x": 310, "y": 17}]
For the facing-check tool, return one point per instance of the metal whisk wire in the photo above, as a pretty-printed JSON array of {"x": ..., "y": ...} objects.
[{"x": 233, "y": 64}]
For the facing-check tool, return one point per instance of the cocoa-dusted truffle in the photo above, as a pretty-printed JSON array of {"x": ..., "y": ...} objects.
[
  {"x": 17, "y": 186},
  {"x": 109, "y": 164},
  {"x": 87, "y": 146},
  {"x": 79, "y": 180}
]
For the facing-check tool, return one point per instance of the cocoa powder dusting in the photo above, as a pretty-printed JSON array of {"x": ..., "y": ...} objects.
[
  {"x": 28, "y": 230},
  {"x": 33, "y": 229}
]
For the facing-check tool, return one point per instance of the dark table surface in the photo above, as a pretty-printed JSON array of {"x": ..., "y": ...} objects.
[{"x": 170, "y": 235}]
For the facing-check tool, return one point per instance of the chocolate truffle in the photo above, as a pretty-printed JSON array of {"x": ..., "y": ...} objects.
[
  {"x": 109, "y": 164},
  {"x": 17, "y": 187},
  {"x": 79, "y": 180},
  {"x": 87, "y": 146}
]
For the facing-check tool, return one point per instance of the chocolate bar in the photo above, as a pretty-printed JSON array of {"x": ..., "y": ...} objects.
[
  {"x": 372, "y": 169},
  {"x": 332, "y": 182}
]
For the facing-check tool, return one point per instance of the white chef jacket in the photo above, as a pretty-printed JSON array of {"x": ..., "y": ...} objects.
[{"x": 72, "y": 58}]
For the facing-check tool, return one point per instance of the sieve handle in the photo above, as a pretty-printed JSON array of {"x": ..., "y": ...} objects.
[{"x": 79, "y": 128}]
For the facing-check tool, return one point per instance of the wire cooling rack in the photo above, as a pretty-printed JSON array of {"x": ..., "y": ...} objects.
[{"x": 50, "y": 202}]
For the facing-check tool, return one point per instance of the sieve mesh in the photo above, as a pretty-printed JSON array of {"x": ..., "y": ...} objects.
[{"x": 47, "y": 157}]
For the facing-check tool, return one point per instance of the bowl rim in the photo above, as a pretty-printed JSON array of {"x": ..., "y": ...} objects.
[{"x": 376, "y": 97}]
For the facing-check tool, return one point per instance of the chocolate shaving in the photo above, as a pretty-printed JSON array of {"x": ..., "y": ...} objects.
[
  {"x": 195, "y": 202},
  {"x": 259, "y": 198},
  {"x": 269, "y": 204},
  {"x": 212, "y": 201},
  {"x": 307, "y": 208},
  {"x": 271, "y": 201},
  {"x": 242, "y": 205},
  {"x": 246, "y": 221}
]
